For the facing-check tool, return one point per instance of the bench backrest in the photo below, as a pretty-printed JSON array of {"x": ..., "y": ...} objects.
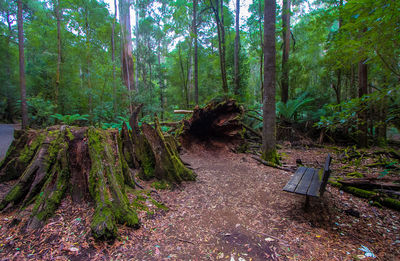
[{"x": 326, "y": 174}]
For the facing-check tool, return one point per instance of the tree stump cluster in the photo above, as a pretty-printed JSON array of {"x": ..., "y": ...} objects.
[{"x": 89, "y": 164}]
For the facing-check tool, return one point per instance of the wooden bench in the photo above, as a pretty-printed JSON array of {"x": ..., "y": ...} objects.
[{"x": 309, "y": 181}]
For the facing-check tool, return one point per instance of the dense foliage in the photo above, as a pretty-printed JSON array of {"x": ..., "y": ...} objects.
[{"x": 330, "y": 39}]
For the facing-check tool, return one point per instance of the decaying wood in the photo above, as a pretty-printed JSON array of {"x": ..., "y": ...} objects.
[
  {"x": 218, "y": 119},
  {"x": 252, "y": 130},
  {"x": 89, "y": 164},
  {"x": 269, "y": 164},
  {"x": 370, "y": 183}
]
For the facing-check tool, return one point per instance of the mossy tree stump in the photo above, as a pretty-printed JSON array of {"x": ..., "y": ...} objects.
[{"x": 89, "y": 164}]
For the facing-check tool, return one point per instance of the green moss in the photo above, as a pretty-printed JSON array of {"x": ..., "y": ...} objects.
[
  {"x": 69, "y": 134},
  {"x": 242, "y": 148},
  {"x": 271, "y": 156},
  {"x": 107, "y": 187},
  {"x": 335, "y": 184},
  {"x": 161, "y": 185},
  {"x": 359, "y": 192},
  {"x": 355, "y": 174},
  {"x": 146, "y": 158},
  {"x": 391, "y": 203},
  {"x": 171, "y": 164},
  {"x": 14, "y": 195},
  {"x": 159, "y": 205},
  {"x": 376, "y": 164},
  {"x": 376, "y": 204},
  {"x": 103, "y": 224},
  {"x": 29, "y": 151},
  {"x": 180, "y": 130}
]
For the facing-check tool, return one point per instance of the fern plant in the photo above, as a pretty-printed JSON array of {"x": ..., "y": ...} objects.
[
  {"x": 70, "y": 119},
  {"x": 287, "y": 111}
]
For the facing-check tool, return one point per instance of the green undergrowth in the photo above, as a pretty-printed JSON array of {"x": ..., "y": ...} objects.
[
  {"x": 162, "y": 184},
  {"x": 355, "y": 174},
  {"x": 142, "y": 199}
]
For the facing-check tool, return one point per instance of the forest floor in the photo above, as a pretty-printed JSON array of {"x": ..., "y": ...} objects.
[{"x": 236, "y": 210}]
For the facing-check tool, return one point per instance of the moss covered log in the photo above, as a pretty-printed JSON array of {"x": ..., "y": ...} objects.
[{"x": 88, "y": 164}]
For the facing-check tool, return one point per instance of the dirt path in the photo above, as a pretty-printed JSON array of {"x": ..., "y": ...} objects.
[
  {"x": 235, "y": 209},
  {"x": 6, "y": 137}
]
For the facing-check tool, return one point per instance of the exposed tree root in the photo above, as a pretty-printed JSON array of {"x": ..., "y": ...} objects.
[
  {"x": 219, "y": 119},
  {"x": 89, "y": 164}
]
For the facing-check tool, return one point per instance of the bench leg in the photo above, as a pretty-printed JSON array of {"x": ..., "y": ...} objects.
[{"x": 307, "y": 204}]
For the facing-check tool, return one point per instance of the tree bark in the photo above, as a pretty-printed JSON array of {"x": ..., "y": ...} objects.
[
  {"x": 237, "y": 50},
  {"x": 362, "y": 115},
  {"x": 137, "y": 45},
  {"x": 113, "y": 59},
  {"x": 89, "y": 164},
  {"x": 221, "y": 40},
  {"x": 261, "y": 51},
  {"x": 184, "y": 78},
  {"x": 58, "y": 72},
  {"x": 9, "y": 108},
  {"x": 286, "y": 50},
  {"x": 88, "y": 61},
  {"x": 127, "y": 59},
  {"x": 269, "y": 128},
  {"x": 22, "y": 81},
  {"x": 196, "y": 63}
]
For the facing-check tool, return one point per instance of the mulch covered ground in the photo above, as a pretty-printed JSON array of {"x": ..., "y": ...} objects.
[{"x": 236, "y": 210}]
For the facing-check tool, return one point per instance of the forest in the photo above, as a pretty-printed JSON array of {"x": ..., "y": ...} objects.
[{"x": 154, "y": 129}]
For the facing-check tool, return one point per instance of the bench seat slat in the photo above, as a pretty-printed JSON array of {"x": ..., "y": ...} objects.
[
  {"x": 304, "y": 184},
  {"x": 315, "y": 185},
  {"x": 294, "y": 181}
]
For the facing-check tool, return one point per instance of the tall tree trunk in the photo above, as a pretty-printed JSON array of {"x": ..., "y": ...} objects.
[
  {"x": 237, "y": 50},
  {"x": 189, "y": 66},
  {"x": 260, "y": 13},
  {"x": 286, "y": 50},
  {"x": 88, "y": 61},
  {"x": 137, "y": 45},
  {"x": 221, "y": 40},
  {"x": 127, "y": 59},
  {"x": 339, "y": 71},
  {"x": 223, "y": 65},
  {"x": 58, "y": 73},
  {"x": 362, "y": 115},
  {"x": 22, "y": 82},
  {"x": 269, "y": 132},
  {"x": 9, "y": 109},
  {"x": 184, "y": 78},
  {"x": 160, "y": 80},
  {"x": 113, "y": 59},
  {"x": 338, "y": 89},
  {"x": 196, "y": 63}
]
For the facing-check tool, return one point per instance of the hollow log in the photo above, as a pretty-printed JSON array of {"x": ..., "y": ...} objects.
[
  {"x": 219, "y": 119},
  {"x": 88, "y": 164}
]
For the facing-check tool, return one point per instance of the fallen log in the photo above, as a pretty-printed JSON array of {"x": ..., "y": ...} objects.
[
  {"x": 252, "y": 130},
  {"x": 219, "y": 119},
  {"x": 370, "y": 183},
  {"x": 269, "y": 164},
  {"x": 183, "y": 111}
]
